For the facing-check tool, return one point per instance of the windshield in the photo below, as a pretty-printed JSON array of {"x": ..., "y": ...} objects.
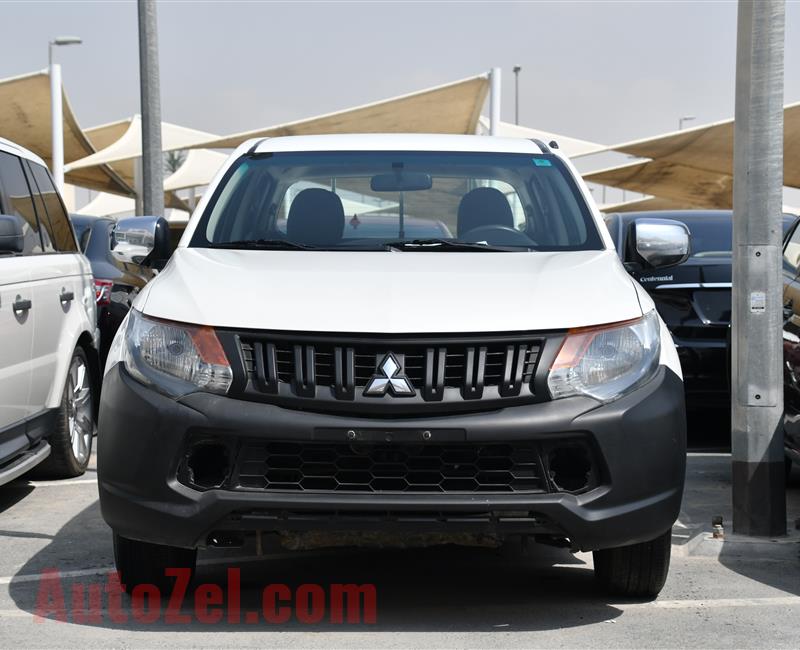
[{"x": 398, "y": 201}]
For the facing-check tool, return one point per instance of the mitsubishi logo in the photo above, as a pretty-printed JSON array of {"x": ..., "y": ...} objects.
[{"x": 389, "y": 378}]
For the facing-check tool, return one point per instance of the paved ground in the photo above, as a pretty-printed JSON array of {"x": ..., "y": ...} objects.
[{"x": 735, "y": 594}]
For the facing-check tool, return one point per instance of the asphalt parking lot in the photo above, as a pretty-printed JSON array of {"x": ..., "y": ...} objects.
[{"x": 718, "y": 594}]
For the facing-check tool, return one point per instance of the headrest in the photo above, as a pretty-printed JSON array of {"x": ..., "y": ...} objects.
[
  {"x": 316, "y": 218},
  {"x": 484, "y": 206}
]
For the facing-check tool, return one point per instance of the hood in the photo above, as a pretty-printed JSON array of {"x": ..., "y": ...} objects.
[{"x": 391, "y": 292}]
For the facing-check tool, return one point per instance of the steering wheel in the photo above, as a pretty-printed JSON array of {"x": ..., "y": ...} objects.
[{"x": 497, "y": 236}]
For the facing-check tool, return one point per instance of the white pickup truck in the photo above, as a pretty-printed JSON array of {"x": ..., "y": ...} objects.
[{"x": 299, "y": 371}]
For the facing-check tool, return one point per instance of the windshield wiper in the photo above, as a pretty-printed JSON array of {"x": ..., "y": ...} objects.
[
  {"x": 266, "y": 244},
  {"x": 441, "y": 244}
]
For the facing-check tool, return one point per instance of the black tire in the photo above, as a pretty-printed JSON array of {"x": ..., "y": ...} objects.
[
  {"x": 635, "y": 571},
  {"x": 65, "y": 460},
  {"x": 144, "y": 563}
]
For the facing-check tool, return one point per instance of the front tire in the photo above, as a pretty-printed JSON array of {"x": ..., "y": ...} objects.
[
  {"x": 144, "y": 563},
  {"x": 71, "y": 441},
  {"x": 635, "y": 571}
]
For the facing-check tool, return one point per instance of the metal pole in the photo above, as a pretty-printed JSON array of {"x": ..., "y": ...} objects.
[
  {"x": 138, "y": 208},
  {"x": 494, "y": 101},
  {"x": 759, "y": 498},
  {"x": 152, "y": 162},
  {"x": 57, "y": 124},
  {"x": 517, "y": 68}
]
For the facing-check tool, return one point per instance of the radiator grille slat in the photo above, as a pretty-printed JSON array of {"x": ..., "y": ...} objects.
[{"x": 469, "y": 371}]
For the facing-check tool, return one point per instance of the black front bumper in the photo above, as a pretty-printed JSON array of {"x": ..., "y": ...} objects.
[{"x": 638, "y": 442}]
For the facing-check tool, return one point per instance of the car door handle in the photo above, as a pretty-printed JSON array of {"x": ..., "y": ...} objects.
[
  {"x": 21, "y": 304},
  {"x": 67, "y": 296}
]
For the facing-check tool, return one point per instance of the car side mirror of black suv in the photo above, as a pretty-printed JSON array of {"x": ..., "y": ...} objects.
[
  {"x": 12, "y": 239},
  {"x": 658, "y": 243},
  {"x": 141, "y": 240}
]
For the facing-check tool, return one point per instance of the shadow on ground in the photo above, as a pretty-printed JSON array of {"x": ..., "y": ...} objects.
[
  {"x": 708, "y": 494},
  {"x": 435, "y": 589}
]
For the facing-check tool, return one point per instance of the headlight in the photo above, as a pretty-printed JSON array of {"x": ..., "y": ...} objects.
[
  {"x": 608, "y": 361},
  {"x": 176, "y": 358}
]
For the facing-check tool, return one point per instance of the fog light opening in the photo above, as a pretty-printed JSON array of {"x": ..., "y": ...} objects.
[
  {"x": 570, "y": 468},
  {"x": 207, "y": 465}
]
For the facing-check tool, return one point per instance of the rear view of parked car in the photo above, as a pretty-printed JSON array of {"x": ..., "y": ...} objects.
[
  {"x": 48, "y": 358},
  {"x": 116, "y": 282}
]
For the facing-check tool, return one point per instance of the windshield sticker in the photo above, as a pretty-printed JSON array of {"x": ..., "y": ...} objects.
[{"x": 542, "y": 162}]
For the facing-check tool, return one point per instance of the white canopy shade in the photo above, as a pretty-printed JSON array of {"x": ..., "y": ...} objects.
[
  {"x": 125, "y": 149},
  {"x": 114, "y": 205},
  {"x": 449, "y": 108},
  {"x": 105, "y": 205},
  {"x": 25, "y": 119},
  {"x": 570, "y": 147},
  {"x": 198, "y": 170},
  {"x": 693, "y": 168}
]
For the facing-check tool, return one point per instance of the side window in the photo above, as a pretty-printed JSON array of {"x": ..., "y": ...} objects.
[
  {"x": 45, "y": 231},
  {"x": 60, "y": 230},
  {"x": 791, "y": 253},
  {"x": 17, "y": 201}
]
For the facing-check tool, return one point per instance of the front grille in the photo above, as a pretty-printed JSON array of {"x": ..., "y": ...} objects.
[
  {"x": 432, "y": 468},
  {"x": 340, "y": 368}
]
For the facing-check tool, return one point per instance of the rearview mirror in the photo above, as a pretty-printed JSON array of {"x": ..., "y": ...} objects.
[
  {"x": 660, "y": 243},
  {"x": 141, "y": 240},
  {"x": 401, "y": 181},
  {"x": 12, "y": 239}
]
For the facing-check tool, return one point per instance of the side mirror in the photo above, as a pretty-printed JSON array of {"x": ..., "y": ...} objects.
[
  {"x": 12, "y": 239},
  {"x": 659, "y": 243},
  {"x": 141, "y": 240}
]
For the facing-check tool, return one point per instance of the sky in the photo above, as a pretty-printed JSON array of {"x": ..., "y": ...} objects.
[{"x": 603, "y": 71}]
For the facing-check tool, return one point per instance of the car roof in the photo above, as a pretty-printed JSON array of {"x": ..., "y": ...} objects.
[
  {"x": 13, "y": 148},
  {"x": 394, "y": 142}
]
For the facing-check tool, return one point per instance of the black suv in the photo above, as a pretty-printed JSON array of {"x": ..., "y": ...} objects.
[{"x": 694, "y": 298}]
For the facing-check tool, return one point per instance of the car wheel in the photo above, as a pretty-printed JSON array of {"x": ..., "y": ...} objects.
[
  {"x": 144, "y": 563},
  {"x": 71, "y": 441},
  {"x": 635, "y": 571}
]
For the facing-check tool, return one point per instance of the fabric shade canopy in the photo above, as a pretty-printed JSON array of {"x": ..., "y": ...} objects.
[
  {"x": 646, "y": 203},
  {"x": 199, "y": 168},
  {"x": 25, "y": 119},
  {"x": 655, "y": 203},
  {"x": 694, "y": 167},
  {"x": 570, "y": 147},
  {"x": 684, "y": 186},
  {"x": 122, "y": 152},
  {"x": 450, "y": 108},
  {"x": 105, "y": 134},
  {"x": 114, "y": 205}
]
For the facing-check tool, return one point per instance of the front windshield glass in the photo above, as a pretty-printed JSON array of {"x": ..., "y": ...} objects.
[{"x": 398, "y": 201}]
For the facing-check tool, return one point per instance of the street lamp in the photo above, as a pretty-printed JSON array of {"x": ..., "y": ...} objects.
[
  {"x": 57, "y": 122},
  {"x": 685, "y": 118},
  {"x": 517, "y": 68}
]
